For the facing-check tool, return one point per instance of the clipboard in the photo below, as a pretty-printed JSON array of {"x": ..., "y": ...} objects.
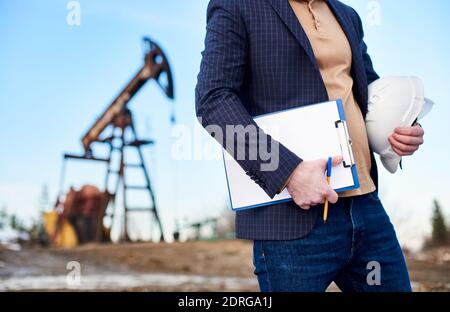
[{"x": 315, "y": 131}]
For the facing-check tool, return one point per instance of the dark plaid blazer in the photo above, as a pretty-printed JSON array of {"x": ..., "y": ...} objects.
[{"x": 257, "y": 60}]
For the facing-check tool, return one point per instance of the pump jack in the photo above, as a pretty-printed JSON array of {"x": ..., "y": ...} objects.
[{"x": 115, "y": 128}]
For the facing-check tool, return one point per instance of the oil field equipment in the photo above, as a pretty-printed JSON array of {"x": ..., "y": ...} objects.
[{"x": 115, "y": 129}]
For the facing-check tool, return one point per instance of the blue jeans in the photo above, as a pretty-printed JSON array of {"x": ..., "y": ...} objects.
[{"x": 357, "y": 249}]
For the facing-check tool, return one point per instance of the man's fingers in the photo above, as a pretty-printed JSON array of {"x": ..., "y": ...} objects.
[
  {"x": 410, "y": 131},
  {"x": 402, "y": 147},
  {"x": 301, "y": 203},
  {"x": 408, "y": 140},
  {"x": 332, "y": 196},
  {"x": 337, "y": 160},
  {"x": 400, "y": 153}
]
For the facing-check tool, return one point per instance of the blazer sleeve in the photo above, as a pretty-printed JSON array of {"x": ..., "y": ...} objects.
[
  {"x": 218, "y": 102},
  {"x": 370, "y": 71}
]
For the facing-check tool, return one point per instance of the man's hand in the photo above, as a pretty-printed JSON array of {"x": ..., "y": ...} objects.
[
  {"x": 406, "y": 141},
  {"x": 308, "y": 185}
]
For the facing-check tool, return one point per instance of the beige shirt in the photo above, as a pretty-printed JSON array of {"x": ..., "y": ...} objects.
[{"x": 334, "y": 57}]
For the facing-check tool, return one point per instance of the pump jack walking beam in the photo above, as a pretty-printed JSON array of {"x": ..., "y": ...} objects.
[{"x": 155, "y": 67}]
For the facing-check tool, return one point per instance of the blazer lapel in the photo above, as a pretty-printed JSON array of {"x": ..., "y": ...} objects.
[{"x": 287, "y": 15}]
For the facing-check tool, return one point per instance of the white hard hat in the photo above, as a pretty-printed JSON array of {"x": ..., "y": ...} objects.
[{"x": 393, "y": 102}]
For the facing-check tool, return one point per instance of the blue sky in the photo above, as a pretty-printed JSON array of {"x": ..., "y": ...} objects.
[{"x": 55, "y": 79}]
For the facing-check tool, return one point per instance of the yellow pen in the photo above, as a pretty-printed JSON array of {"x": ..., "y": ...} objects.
[{"x": 325, "y": 208}]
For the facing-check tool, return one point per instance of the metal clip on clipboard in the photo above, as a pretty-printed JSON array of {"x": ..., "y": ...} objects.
[{"x": 346, "y": 143}]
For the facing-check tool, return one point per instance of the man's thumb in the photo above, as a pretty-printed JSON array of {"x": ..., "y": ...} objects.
[{"x": 337, "y": 160}]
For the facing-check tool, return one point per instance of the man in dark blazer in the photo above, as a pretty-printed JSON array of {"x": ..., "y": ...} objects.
[{"x": 261, "y": 56}]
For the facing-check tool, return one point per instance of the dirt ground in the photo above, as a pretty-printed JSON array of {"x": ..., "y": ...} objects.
[{"x": 189, "y": 266}]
